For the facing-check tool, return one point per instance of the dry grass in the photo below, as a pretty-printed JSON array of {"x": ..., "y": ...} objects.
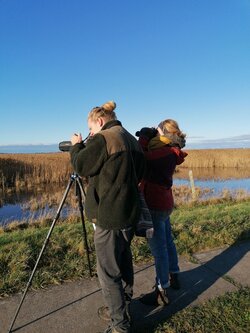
[
  {"x": 218, "y": 158},
  {"x": 19, "y": 171},
  {"x": 26, "y": 170},
  {"x": 183, "y": 194}
]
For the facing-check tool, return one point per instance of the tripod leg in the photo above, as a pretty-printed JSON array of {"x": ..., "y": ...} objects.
[
  {"x": 42, "y": 250},
  {"x": 80, "y": 191}
]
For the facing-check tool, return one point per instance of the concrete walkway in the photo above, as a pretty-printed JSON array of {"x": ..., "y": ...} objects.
[{"x": 72, "y": 307}]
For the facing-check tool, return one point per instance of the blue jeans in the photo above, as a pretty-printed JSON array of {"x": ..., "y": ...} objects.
[{"x": 163, "y": 248}]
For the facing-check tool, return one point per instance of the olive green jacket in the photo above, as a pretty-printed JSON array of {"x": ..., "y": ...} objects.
[{"x": 114, "y": 163}]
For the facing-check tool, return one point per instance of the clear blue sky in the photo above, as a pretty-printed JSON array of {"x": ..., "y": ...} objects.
[{"x": 183, "y": 59}]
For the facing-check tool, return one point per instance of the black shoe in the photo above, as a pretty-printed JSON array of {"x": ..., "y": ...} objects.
[
  {"x": 174, "y": 281},
  {"x": 156, "y": 297},
  {"x": 150, "y": 298}
]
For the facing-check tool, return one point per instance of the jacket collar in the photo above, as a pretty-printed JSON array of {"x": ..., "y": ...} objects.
[
  {"x": 158, "y": 142},
  {"x": 111, "y": 123}
]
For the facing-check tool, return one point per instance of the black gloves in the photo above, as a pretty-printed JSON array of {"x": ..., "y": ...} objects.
[{"x": 147, "y": 132}]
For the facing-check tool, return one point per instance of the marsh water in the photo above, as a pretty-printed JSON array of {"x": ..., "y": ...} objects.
[
  {"x": 218, "y": 186},
  {"x": 217, "y": 180},
  {"x": 21, "y": 205},
  {"x": 15, "y": 206}
]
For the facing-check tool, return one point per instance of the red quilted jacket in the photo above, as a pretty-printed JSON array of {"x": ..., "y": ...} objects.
[{"x": 161, "y": 161}]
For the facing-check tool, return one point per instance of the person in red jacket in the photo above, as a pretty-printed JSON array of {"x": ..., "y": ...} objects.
[{"x": 162, "y": 149}]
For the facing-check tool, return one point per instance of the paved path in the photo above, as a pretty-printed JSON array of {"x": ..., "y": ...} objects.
[{"x": 72, "y": 307}]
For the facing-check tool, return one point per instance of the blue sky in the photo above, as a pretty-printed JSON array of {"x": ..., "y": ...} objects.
[{"x": 181, "y": 59}]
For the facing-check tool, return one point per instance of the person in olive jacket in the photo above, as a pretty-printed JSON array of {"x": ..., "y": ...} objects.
[{"x": 114, "y": 163}]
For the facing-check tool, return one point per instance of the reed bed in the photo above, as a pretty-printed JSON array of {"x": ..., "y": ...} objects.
[
  {"x": 18, "y": 171},
  {"x": 218, "y": 158},
  {"x": 24, "y": 171}
]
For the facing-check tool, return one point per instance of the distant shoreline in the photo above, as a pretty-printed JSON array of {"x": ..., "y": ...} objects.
[
  {"x": 53, "y": 148},
  {"x": 29, "y": 149}
]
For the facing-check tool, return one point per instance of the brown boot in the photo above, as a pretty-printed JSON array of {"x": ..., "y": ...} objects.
[{"x": 103, "y": 313}]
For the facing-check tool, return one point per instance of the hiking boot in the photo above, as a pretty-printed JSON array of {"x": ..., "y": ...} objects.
[
  {"x": 103, "y": 313},
  {"x": 174, "y": 281},
  {"x": 163, "y": 298}
]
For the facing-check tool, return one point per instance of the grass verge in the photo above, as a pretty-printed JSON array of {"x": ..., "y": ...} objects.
[
  {"x": 196, "y": 228},
  {"x": 202, "y": 227},
  {"x": 229, "y": 313}
]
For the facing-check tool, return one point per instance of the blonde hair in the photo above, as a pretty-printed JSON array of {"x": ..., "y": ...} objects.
[
  {"x": 105, "y": 111},
  {"x": 170, "y": 126}
]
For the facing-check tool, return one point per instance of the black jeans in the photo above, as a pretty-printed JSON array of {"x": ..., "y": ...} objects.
[{"x": 115, "y": 273}]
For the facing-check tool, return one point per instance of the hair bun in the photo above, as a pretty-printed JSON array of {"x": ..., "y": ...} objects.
[{"x": 109, "y": 106}]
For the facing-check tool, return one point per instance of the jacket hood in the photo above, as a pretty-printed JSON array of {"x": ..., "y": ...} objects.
[{"x": 180, "y": 154}]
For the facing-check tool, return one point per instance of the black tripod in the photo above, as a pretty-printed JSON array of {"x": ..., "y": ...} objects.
[{"x": 80, "y": 193}]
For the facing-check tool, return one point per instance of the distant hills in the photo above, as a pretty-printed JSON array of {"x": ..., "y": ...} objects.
[{"x": 242, "y": 141}]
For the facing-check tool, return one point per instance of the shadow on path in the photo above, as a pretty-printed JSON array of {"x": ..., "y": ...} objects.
[{"x": 194, "y": 282}]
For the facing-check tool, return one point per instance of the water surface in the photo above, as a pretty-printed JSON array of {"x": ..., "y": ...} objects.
[{"x": 217, "y": 180}]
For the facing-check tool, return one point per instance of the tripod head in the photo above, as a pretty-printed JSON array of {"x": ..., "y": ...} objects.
[{"x": 79, "y": 188}]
